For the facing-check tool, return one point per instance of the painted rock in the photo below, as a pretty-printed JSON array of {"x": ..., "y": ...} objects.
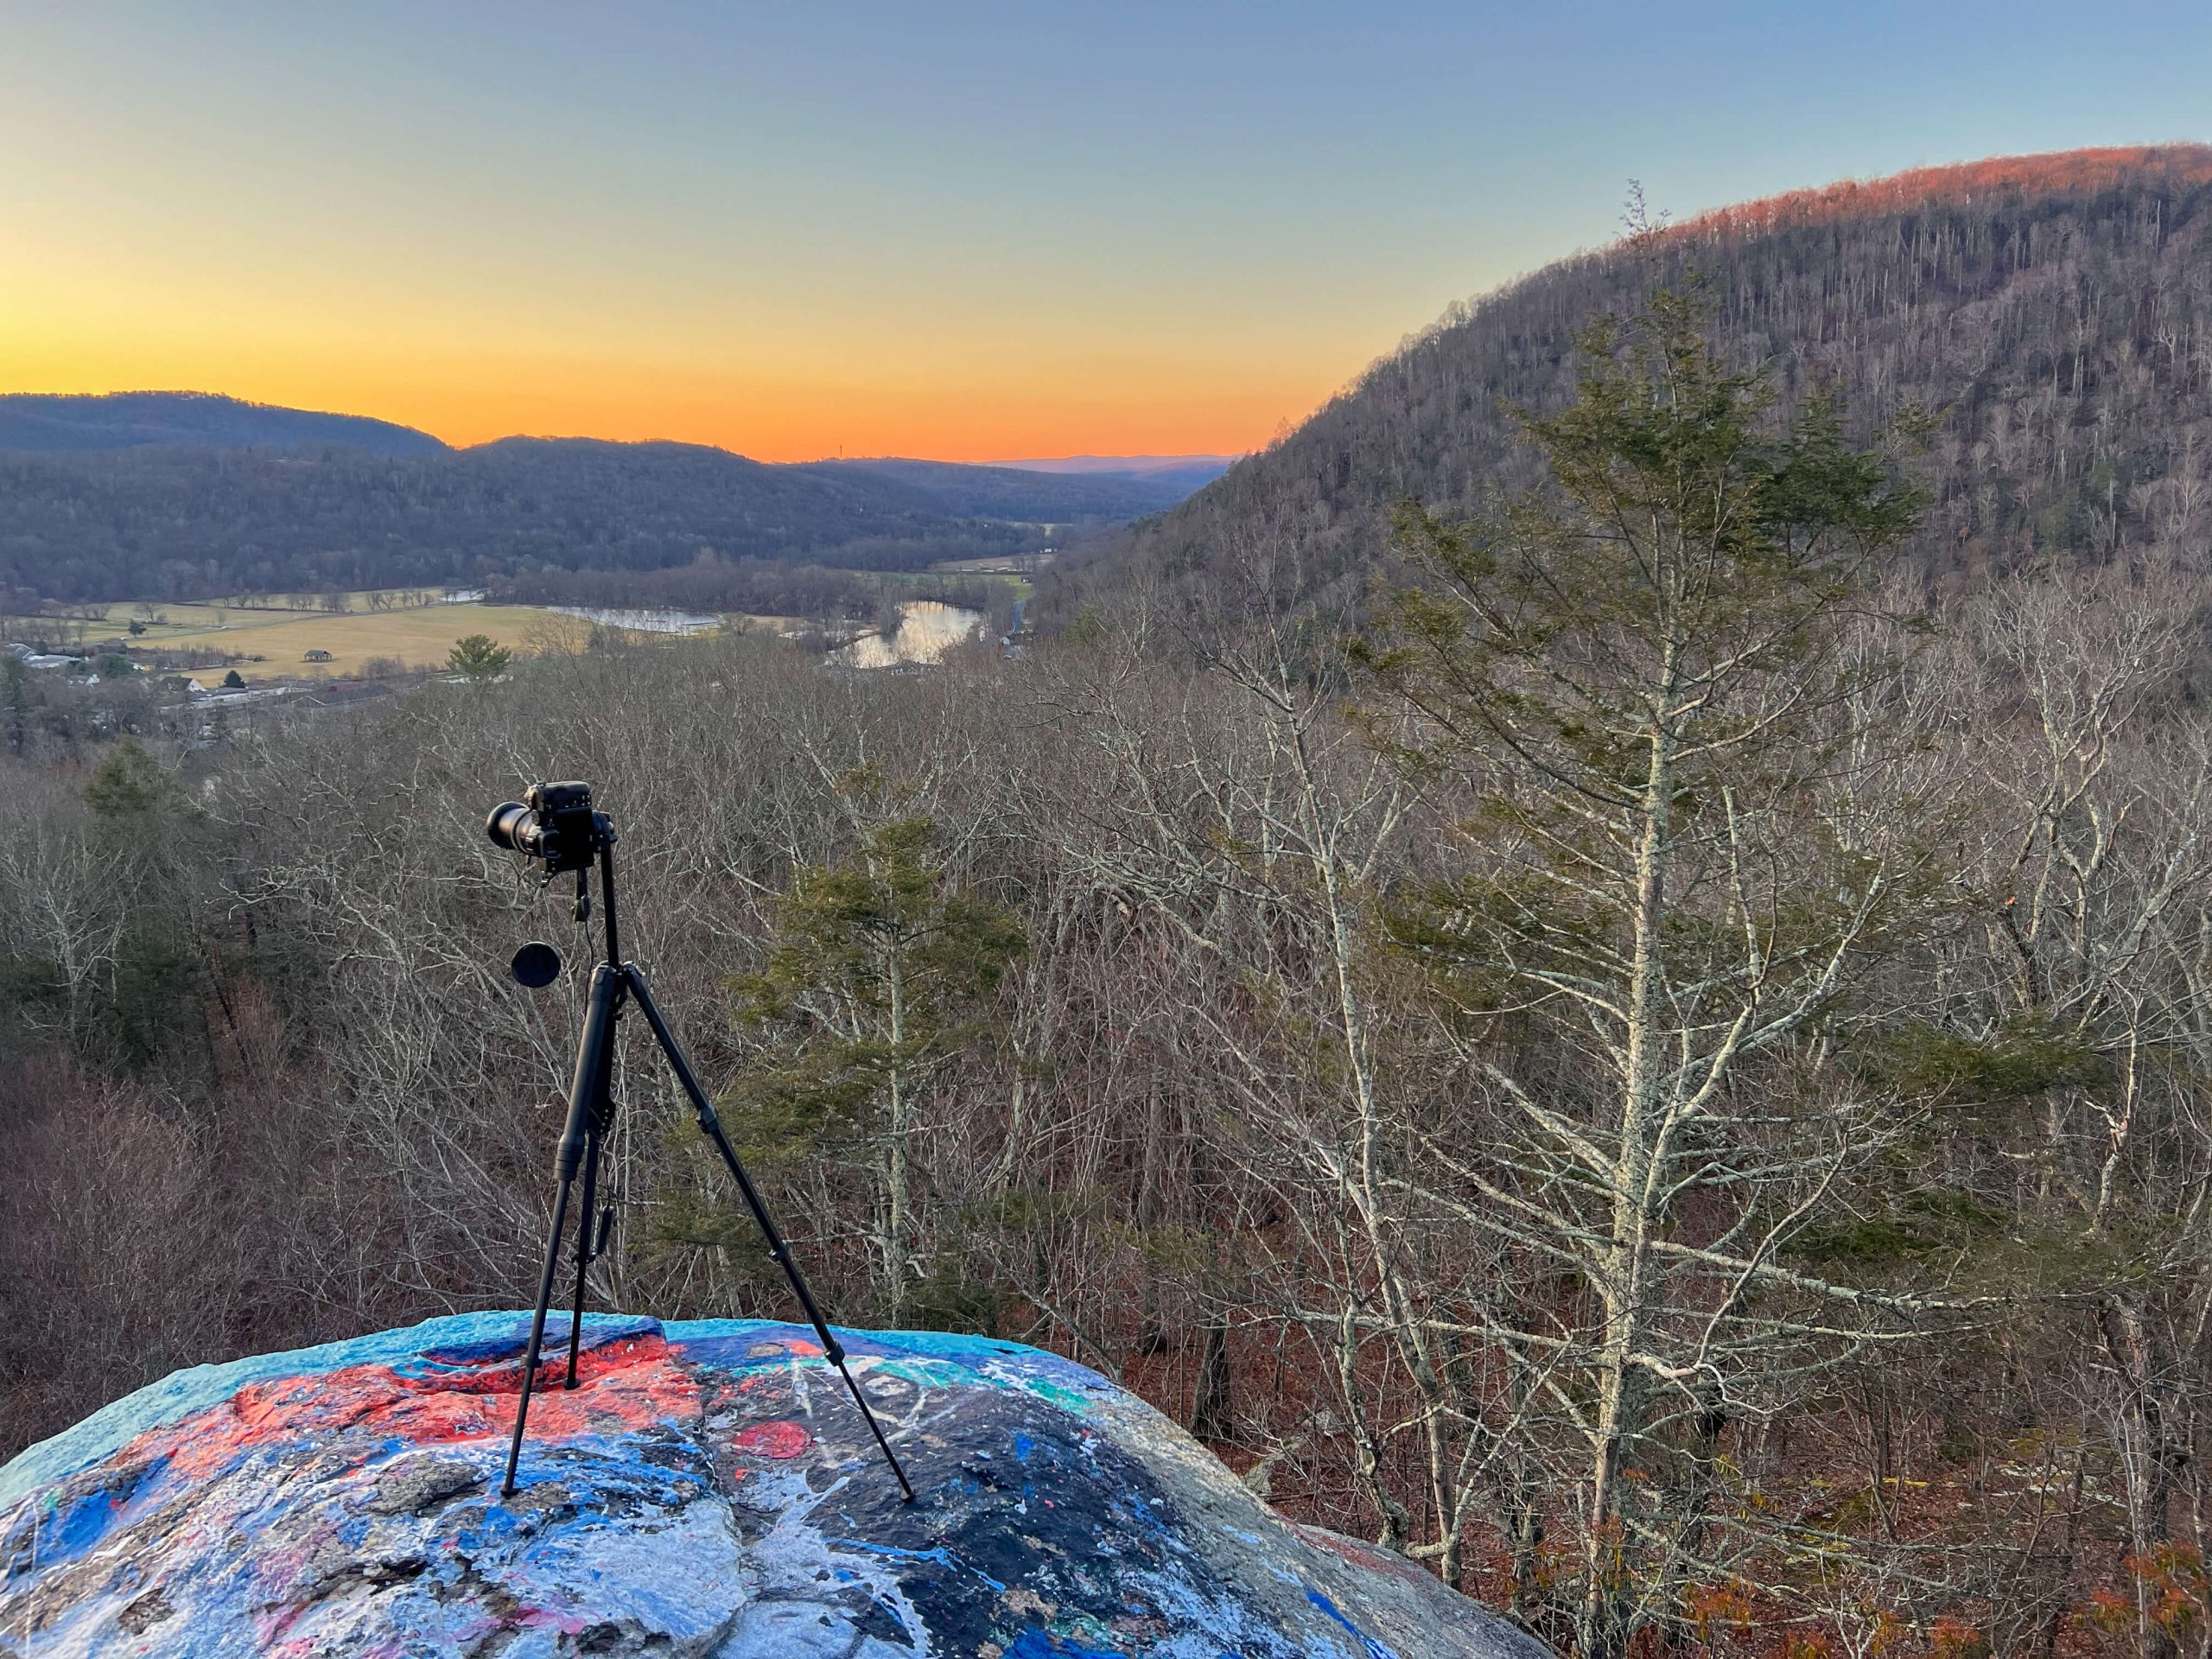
[{"x": 707, "y": 1489}]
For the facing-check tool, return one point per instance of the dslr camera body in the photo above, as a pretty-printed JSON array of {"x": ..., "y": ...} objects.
[{"x": 552, "y": 822}]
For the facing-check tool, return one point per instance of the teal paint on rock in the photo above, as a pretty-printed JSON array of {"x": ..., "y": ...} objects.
[{"x": 707, "y": 1491}]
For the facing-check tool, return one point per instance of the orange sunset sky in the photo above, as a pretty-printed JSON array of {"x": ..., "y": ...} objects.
[{"x": 966, "y": 232}]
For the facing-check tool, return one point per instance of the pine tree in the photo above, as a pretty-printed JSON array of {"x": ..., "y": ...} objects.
[
  {"x": 130, "y": 785},
  {"x": 477, "y": 657},
  {"x": 877, "y": 985},
  {"x": 15, "y": 699}
]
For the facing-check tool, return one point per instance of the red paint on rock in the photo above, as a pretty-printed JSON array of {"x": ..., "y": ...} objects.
[
  {"x": 622, "y": 1388},
  {"x": 778, "y": 1439}
]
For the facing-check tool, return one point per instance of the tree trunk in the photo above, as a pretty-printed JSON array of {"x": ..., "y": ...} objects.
[
  {"x": 1212, "y": 1406},
  {"x": 1620, "y": 1384},
  {"x": 2148, "y": 1462},
  {"x": 895, "y": 1162}
]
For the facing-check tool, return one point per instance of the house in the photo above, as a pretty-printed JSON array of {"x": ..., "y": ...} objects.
[
  {"x": 317, "y": 656},
  {"x": 33, "y": 658}
]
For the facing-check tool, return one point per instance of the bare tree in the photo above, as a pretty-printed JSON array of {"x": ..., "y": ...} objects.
[{"x": 1644, "y": 682}]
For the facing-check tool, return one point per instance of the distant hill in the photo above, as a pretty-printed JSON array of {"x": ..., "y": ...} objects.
[
  {"x": 2055, "y": 310},
  {"x": 1040, "y": 496},
  {"x": 127, "y": 420},
  {"x": 1191, "y": 472},
  {"x": 179, "y": 523},
  {"x": 177, "y": 495}
]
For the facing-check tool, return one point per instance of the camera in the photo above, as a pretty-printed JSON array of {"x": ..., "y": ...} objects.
[{"x": 553, "y": 821}]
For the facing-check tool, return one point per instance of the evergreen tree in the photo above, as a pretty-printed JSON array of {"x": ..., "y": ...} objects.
[
  {"x": 130, "y": 785},
  {"x": 877, "y": 985},
  {"x": 151, "y": 842},
  {"x": 478, "y": 657},
  {"x": 15, "y": 699}
]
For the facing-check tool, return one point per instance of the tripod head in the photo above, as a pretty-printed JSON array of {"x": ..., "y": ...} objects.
[
  {"x": 556, "y": 825},
  {"x": 554, "y": 822}
]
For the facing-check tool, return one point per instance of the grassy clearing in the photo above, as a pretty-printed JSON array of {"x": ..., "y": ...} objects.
[
  {"x": 164, "y": 620},
  {"x": 995, "y": 564},
  {"x": 271, "y": 642},
  {"x": 891, "y": 581},
  {"x": 415, "y": 638}
]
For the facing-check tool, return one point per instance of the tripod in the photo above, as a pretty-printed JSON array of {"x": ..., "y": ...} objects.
[{"x": 591, "y": 1117}]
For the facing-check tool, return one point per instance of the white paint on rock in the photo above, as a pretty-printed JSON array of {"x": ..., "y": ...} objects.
[{"x": 708, "y": 1492}]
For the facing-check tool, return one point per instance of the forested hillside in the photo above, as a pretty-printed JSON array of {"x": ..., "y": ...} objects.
[
  {"x": 190, "y": 522},
  {"x": 129, "y": 420},
  {"x": 1176, "y": 1105},
  {"x": 1020, "y": 493},
  {"x": 2055, "y": 313}
]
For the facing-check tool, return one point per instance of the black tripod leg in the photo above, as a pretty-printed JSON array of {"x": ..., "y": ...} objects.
[
  {"x": 584, "y": 1222},
  {"x": 537, "y": 1337},
  {"x": 710, "y": 1125},
  {"x": 595, "y": 1129},
  {"x": 591, "y": 1052}
]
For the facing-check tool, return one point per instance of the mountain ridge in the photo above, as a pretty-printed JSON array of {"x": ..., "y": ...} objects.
[
  {"x": 37, "y": 421},
  {"x": 1192, "y": 471},
  {"x": 2051, "y": 172},
  {"x": 2057, "y": 312},
  {"x": 183, "y": 522}
]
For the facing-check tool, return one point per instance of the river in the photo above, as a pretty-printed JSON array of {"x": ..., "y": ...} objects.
[{"x": 927, "y": 629}]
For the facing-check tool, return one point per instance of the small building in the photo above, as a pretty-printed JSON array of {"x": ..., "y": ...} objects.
[{"x": 317, "y": 656}]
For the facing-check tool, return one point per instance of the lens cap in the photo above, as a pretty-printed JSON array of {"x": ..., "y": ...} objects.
[{"x": 536, "y": 965}]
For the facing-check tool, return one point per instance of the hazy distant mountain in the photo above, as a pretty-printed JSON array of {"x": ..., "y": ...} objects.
[
  {"x": 175, "y": 495},
  {"x": 2055, "y": 310},
  {"x": 1082, "y": 488},
  {"x": 1191, "y": 472},
  {"x": 126, "y": 420},
  {"x": 1044, "y": 492},
  {"x": 172, "y": 522}
]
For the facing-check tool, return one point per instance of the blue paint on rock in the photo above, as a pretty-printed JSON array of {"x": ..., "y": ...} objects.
[
  {"x": 1041, "y": 1644},
  {"x": 708, "y": 1491},
  {"x": 1373, "y": 1649}
]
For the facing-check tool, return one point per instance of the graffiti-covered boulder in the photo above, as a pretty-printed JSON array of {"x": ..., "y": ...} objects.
[{"x": 707, "y": 1490}]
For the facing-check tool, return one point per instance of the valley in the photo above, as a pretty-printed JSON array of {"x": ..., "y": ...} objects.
[
  {"x": 386, "y": 632},
  {"x": 1595, "y": 966}
]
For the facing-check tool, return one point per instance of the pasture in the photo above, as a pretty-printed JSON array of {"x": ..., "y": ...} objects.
[{"x": 416, "y": 636}]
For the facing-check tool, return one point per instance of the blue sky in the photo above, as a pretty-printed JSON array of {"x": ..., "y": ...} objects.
[{"x": 962, "y": 231}]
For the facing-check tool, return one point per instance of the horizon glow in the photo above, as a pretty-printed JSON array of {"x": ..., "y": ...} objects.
[{"x": 987, "y": 232}]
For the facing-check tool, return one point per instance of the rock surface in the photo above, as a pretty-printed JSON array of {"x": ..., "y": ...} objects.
[{"x": 708, "y": 1490}]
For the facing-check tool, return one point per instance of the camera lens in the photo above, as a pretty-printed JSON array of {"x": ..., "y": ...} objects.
[{"x": 509, "y": 826}]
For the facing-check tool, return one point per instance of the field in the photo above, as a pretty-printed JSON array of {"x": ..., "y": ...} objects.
[
  {"x": 1019, "y": 587},
  {"x": 997, "y": 564},
  {"x": 417, "y": 636}
]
